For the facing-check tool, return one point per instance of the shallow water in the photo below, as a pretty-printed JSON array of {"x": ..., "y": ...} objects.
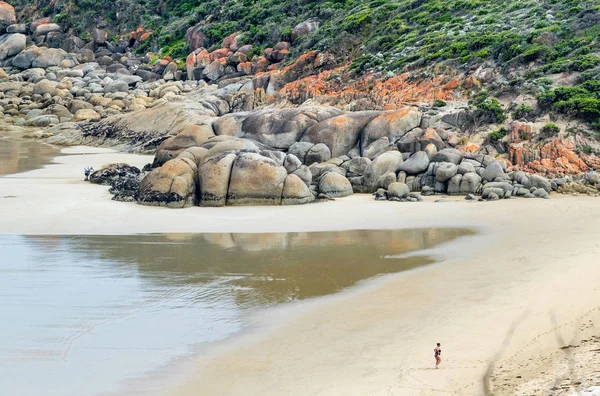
[
  {"x": 18, "y": 154},
  {"x": 83, "y": 314}
]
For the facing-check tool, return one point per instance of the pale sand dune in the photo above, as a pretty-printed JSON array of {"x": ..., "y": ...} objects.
[{"x": 490, "y": 302}]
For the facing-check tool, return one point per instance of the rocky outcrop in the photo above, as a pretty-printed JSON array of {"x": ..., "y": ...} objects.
[
  {"x": 123, "y": 179},
  {"x": 171, "y": 185}
]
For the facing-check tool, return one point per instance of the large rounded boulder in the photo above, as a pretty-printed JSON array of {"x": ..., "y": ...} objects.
[
  {"x": 213, "y": 178},
  {"x": 415, "y": 164},
  {"x": 281, "y": 128},
  {"x": 255, "y": 180},
  {"x": 295, "y": 191},
  {"x": 334, "y": 185},
  {"x": 385, "y": 163},
  {"x": 171, "y": 185},
  {"x": 11, "y": 45},
  {"x": 190, "y": 136},
  {"x": 390, "y": 124},
  {"x": 340, "y": 133}
]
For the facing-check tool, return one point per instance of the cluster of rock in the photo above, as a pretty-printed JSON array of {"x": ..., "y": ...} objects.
[
  {"x": 217, "y": 143},
  {"x": 123, "y": 179},
  {"x": 48, "y": 77},
  {"x": 299, "y": 155}
]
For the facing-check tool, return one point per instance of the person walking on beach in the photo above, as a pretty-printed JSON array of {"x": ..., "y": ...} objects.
[{"x": 437, "y": 353}]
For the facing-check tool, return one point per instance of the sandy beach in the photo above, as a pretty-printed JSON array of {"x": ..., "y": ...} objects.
[{"x": 502, "y": 303}]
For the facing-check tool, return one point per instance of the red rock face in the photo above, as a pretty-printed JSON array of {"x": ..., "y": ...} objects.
[
  {"x": 245, "y": 67},
  {"x": 520, "y": 132},
  {"x": 555, "y": 158},
  {"x": 7, "y": 14},
  {"x": 195, "y": 38},
  {"x": 231, "y": 41},
  {"x": 138, "y": 36}
]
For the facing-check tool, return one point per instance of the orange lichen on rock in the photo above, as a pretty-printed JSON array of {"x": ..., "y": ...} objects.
[
  {"x": 389, "y": 93},
  {"x": 556, "y": 158},
  {"x": 520, "y": 131},
  {"x": 471, "y": 148}
]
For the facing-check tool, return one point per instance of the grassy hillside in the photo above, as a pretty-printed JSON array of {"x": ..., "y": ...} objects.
[{"x": 526, "y": 40}]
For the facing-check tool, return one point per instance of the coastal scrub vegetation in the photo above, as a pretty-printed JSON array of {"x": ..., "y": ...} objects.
[
  {"x": 558, "y": 35},
  {"x": 526, "y": 41}
]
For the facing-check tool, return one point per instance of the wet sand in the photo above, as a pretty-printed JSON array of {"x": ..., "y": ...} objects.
[{"x": 496, "y": 302}]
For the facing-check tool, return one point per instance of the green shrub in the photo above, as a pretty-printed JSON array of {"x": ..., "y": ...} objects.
[
  {"x": 522, "y": 111},
  {"x": 490, "y": 111},
  {"x": 439, "y": 103},
  {"x": 498, "y": 135},
  {"x": 550, "y": 130}
]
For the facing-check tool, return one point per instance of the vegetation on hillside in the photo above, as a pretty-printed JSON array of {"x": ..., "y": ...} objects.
[{"x": 526, "y": 40}]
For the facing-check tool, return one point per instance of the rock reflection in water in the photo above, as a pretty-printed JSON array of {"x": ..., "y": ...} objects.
[
  {"x": 18, "y": 154},
  {"x": 84, "y": 314},
  {"x": 264, "y": 269}
]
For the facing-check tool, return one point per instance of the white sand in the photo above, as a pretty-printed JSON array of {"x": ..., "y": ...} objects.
[{"x": 533, "y": 269}]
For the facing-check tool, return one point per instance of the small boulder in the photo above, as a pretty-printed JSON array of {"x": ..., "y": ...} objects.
[
  {"x": 592, "y": 178},
  {"x": 318, "y": 153},
  {"x": 492, "y": 171},
  {"x": 50, "y": 57},
  {"x": 466, "y": 167},
  {"x": 335, "y": 185},
  {"x": 538, "y": 181},
  {"x": 85, "y": 115},
  {"x": 116, "y": 86},
  {"x": 469, "y": 183},
  {"x": 295, "y": 191},
  {"x": 446, "y": 171},
  {"x": 415, "y": 164},
  {"x": 11, "y": 44},
  {"x": 448, "y": 155},
  {"x": 398, "y": 190}
]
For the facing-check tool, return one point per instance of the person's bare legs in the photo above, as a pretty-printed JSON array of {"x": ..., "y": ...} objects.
[{"x": 438, "y": 360}]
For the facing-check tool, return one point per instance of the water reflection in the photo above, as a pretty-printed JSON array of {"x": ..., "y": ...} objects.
[
  {"x": 82, "y": 314},
  {"x": 18, "y": 154},
  {"x": 262, "y": 269}
]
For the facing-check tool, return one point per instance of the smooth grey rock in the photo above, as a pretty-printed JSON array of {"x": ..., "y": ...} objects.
[
  {"x": 416, "y": 163},
  {"x": 446, "y": 171},
  {"x": 492, "y": 171},
  {"x": 291, "y": 163},
  {"x": 42, "y": 121},
  {"x": 454, "y": 185},
  {"x": 48, "y": 58},
  {"x": 466, "y": 167},
  {"x": 540, "y": 193},
  {"x": 492, "y": 196},
  {"x": 592, "y": 178},
  {"x": 116, "y": 86},
  {"x": 427, "y": 190},
  {"x": 448, "y": 155},
  {"x": 299, "y": 149},
  {"x": 318, "y": 153},
  {"x": 398, "y": 190},
  {"x": 469, "y": 183},
  {"x": 357, "y": 166},
  {"x": 386, "y": 162},
  {"x": 538, "y": 181},
  {"x": 11, "y": 45},
  {"x": 385, "y": 180},
  {"x": 335, "y": 185}
]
